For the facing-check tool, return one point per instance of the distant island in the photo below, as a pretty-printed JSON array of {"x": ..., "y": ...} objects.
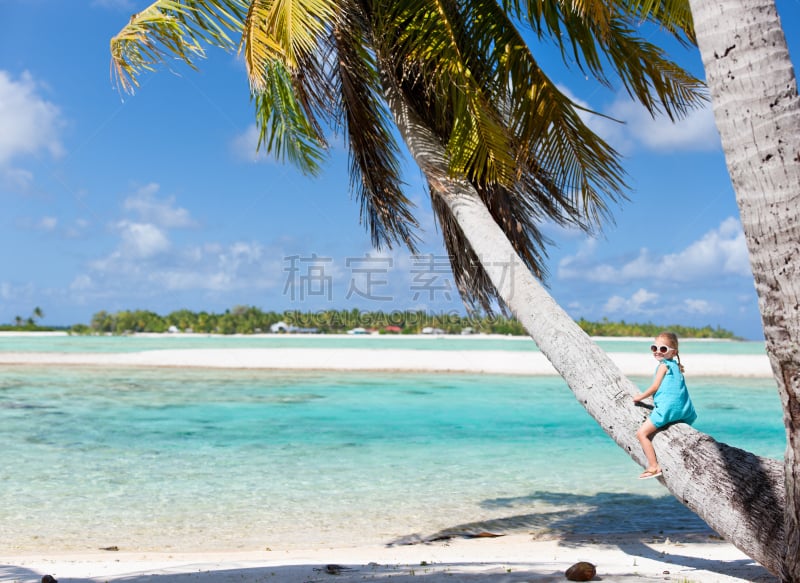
[{"x": 252, "y": 320}]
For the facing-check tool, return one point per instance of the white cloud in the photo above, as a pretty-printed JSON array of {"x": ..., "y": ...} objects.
[
  {"x": 30, "y": 123},
  {"x": 239, "y": 253},
  {"x": 647, "y": 304},
  {"x": 81, "y": 283},
  {"x": 720, "y": 252},
  {"x": 245, "y": 147},
  {"x": 48, "y": 223},
  {"x": 638, "y": 302},
  {"x": 148, "y": 258},
  {"x": 10, "y": 291},
  {"x": 176, "y": 280},
  {"x": 222, "y": 268},
  {"x": 54, "y": 225},
  {"x": 695, "y": 132},
  {"x": 141, "y": 240},
  {"x": 147, "y": 264},
  {"x": 632, "y": 127},
  {"x": 16, "y": 178},
  {"x": 77, "y": 229},
  {"x": 146, "y": 235},
  {"x": 161, "y": 212},
  {"x": 6, "y": 291},
  {"x": 698, "y": 306}
]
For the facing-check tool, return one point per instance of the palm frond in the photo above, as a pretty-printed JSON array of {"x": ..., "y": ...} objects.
[
  {"x": 172, "y": 28},
  {"x": 258, "y": 47},
  {"x": 284, "y": 128},
  {"x": 556, "y": 156},
  {"x": 562, "y": 171},
  {"x": 374, "y": 155},
  {"x": 570, "y": 171},
  {"x": 601, "y": 32},
  {"x": 429, "y": 42},
  {"x": 558, "y": 144},
  {"x": 657, "y": 82},
  {"x": 289, "y": 30},
  {"x": 675, "y": 16},
  {"x": 284, "y": 45}
]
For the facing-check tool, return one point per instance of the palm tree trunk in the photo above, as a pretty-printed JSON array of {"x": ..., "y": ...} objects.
[
  {"x": 757, "y": 110},
  {"x": 735, "y": 492}
]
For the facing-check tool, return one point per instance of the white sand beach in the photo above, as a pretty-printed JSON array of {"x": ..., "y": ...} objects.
[
  {"x": 402, "y": 360},
  {"x": 511, "y": 558}
]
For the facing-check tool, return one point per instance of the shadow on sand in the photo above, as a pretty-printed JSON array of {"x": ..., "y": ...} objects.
[
  {"x": 628, "y": 522},
  {"x": 601, "y": 521}
]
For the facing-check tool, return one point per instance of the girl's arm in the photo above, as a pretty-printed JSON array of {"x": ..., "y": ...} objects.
[{"x": 651, "y": 390}]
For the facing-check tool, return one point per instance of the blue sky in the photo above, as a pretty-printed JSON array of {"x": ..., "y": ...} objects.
[{"x": 158, "y": 201}]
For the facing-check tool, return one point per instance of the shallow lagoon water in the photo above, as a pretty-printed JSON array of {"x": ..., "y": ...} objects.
[
  {"x": 135, "y": 343},
  {"x": 171, "y": 459}
]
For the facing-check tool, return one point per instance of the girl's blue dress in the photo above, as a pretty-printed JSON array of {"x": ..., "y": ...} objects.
[{"x": 672, "y": 402}]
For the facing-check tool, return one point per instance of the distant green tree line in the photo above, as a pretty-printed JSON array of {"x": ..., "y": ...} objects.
[
  {"x": 622, "y": 328},
  {"x": 252, "y": 320},
  {"x": 28, "y": 324}
]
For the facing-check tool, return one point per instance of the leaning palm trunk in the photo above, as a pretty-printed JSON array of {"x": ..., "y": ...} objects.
[
  {"x": 757, "y": 110},
  {"x": 734, "y": 491}
]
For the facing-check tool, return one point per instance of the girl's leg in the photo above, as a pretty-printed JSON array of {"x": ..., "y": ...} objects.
[{"x": 645, "y": 436}]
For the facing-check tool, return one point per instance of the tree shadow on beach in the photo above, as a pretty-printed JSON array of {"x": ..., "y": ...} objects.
[
  {"x": 570, "y": 515},
  {"x": 628, "y": 522},
  {"x": 440, "y": 572},
  {"x": 460, "y": 572},
  {"x": 582, "y": 523},
  {"x": 15, "y": 573}
]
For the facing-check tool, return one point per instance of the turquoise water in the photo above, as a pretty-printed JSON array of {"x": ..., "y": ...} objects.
[
  {"x": 39, "y": 343},
  {"x": 170, "y": 459}
]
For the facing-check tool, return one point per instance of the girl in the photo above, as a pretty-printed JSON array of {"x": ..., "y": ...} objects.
[{"x": 670, "y": 397}]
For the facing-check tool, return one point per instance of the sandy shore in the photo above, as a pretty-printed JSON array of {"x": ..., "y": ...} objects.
[
  {"x": 464, "y": 361},
  {"x": 514, "y": 558}
]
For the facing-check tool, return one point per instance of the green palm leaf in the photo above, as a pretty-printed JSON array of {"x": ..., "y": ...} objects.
[
  {"x": 285, "y": 30},
  {"x": 600, "y": 32},
  {"x": 284, "y": 129},
  {"x": 172, "y": 28},
  {"x": 428, "y": 42},
  {"x": 374, "y": 155}
]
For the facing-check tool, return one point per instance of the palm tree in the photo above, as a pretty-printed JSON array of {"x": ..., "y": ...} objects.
[
  {"x": 757, "y": 109},
  {"x": 502, "y": 150}
]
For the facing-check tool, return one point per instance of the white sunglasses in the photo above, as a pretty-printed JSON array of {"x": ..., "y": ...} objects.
[{"x": 663, "y": 349}]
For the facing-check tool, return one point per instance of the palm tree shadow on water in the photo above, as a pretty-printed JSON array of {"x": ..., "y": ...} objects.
[{"x": 628, "y": 521}]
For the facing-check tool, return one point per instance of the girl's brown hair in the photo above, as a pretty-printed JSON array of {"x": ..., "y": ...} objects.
[{"x": 672, "y": 339}]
